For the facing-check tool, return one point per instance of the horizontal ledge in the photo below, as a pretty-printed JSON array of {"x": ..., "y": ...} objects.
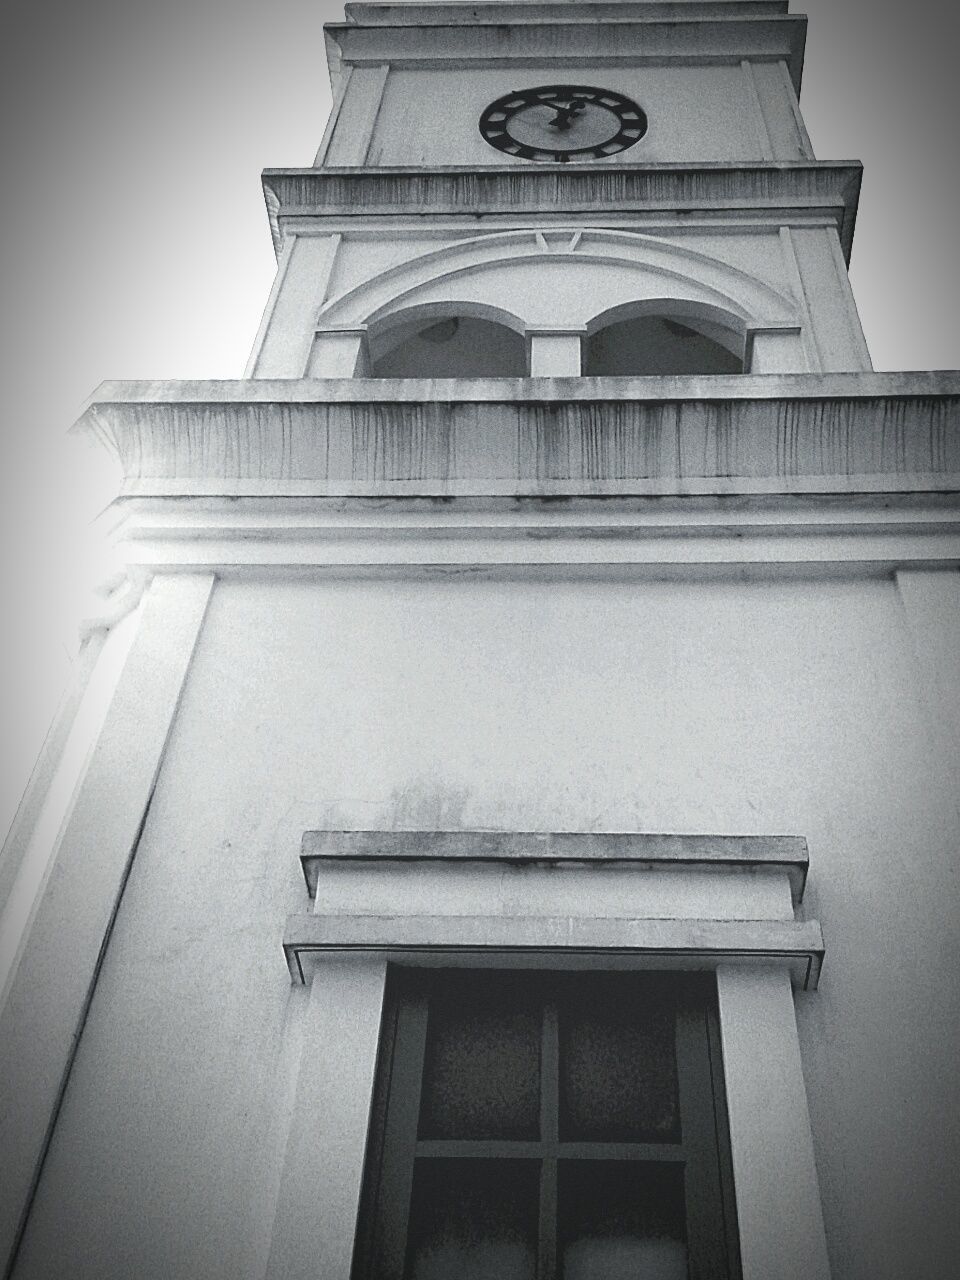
[
  {"x": 667, "y": 389},
  {"x": 242, "y": 567},
  {"x": 739, "y": 433},
  {"x": 770, "y": 488},
  {"x": 731, "y": 516},
  {"x": 553, "y": 942},
  {"x": 534, "y": 553},
  {"x": 364, "y": 13},
  {"x": 657, "y": 38},
  {"x": 770, "y": 26},
  {"x": 782, "y": 853},
  {"x": 830, "y": 187}
]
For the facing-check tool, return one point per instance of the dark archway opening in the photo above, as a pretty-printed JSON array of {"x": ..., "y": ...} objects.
[
  {"x": 447, "y": 347},
  {"x": 659, "y": 345}
]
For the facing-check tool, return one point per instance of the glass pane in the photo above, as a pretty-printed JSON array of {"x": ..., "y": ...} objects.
[
  {"x": 621, "y": 1220},
  {"x": 481, "y": 1076},
  {"x": 473, "y": 1220},
  {"x": 618, "y": 1062}
]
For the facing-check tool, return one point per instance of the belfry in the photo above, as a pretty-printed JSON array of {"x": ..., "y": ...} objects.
[{"x": 508, "y": 830}]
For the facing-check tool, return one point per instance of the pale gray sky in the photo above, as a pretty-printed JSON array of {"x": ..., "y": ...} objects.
[{"x": 135, "y": 243}]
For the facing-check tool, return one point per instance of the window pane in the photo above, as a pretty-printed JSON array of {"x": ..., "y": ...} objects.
[
  {"x": 621, "y": 1220},
  {"x": 618, "y": 1068},
  {"x": 481, "y": 1075},
  {"x": 473, "y": 1220}
]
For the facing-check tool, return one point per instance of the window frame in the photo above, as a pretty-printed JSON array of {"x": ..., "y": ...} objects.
[{"x": 703, "y": 1150}]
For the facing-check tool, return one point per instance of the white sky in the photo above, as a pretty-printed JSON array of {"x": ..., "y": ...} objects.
[{"x": 135, "y": 243}]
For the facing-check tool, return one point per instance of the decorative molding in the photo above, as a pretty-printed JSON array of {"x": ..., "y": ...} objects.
[
  {"x": 119, "y": 596},
  {"x": 416, "y": 14},
  {"x": 635, "y": 900},
  {"x": 655, "y": 39},
  {"x": 622, "y": 538},
  {"x": 550, "y": 241},
  {"x": 780, "y": 192},
  {"x": 642, "y": 851},
  {"x": 560, "y": 942},
  {"x": 674, "y": 272},
  {"x": 793, "y": 433}
]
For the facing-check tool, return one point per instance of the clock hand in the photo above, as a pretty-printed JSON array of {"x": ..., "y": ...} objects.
[{"x": 564, "y": 117}]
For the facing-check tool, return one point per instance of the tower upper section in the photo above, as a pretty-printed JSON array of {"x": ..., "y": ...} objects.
[
  {"x": 716, "y": 81},
  {"x": 552, "y": 189},
  {"x": 555, "y": 248}
]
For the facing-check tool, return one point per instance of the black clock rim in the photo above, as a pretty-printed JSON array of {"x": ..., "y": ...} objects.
[{"x": 527, "y": 152}]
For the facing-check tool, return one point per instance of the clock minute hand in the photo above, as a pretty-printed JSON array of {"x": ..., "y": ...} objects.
[{"x": 564, "y": 117}]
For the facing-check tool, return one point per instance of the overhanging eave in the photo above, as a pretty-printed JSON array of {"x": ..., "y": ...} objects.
[
  {"x": 792, "y": 433},
  {"x": 780, "y": 193}
]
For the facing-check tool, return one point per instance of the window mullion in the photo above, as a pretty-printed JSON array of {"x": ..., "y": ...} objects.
[{"x": 549, "y": 1136}]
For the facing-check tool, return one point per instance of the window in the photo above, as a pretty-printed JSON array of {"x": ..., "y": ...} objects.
[{"x": 532, "y": 1126}]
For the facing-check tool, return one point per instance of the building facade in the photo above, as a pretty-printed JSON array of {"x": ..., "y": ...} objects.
[{"x": 509, "y": 825}]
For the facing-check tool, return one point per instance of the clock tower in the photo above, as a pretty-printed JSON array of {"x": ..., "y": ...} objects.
[
  {"x": 511, "y": 671},
  {"x": 655, "y": 208}
]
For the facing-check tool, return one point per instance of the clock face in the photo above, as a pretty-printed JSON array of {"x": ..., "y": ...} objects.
[{"x": 563, "y": 122}]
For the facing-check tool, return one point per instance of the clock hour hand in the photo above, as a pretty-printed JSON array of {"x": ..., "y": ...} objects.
[{"x": 565, "y": 113}]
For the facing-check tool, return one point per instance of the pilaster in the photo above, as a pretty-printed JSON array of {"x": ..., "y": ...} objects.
[{"x": 74, "y": 878}]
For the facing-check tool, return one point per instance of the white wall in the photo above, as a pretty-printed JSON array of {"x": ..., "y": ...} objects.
[
  {"x": 430, "y": 115},
  {"x": 653, "y": 706}
]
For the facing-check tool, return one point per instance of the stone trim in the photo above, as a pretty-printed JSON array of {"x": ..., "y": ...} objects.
[
  {"x": 595, "y": 928},
  {"x": 364, "y": 13},
  {"x": 851, "y": 433},
  {"x": 560, "y": 942},
  {"x": 829, "y": 189},
  {"x": 654, "y": 39},
  {"x": 606, "y": 538},
  {"x": 787, "y": 854}
]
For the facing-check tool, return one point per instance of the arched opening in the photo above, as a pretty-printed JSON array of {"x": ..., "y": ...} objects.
[
  {"x": 652, "y": 345},
  {"x": 446, "y": 346}
]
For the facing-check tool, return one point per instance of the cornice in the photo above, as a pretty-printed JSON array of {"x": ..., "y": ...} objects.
[
  {"x": 524, "y": 11},
  {"x": 795, "y": 433},
  {"x": 828, "y": 189},
  {"x": 641, "y": 851},
  {"x": 655, "y": 477},
  {"x": 654, "y": 39}
]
